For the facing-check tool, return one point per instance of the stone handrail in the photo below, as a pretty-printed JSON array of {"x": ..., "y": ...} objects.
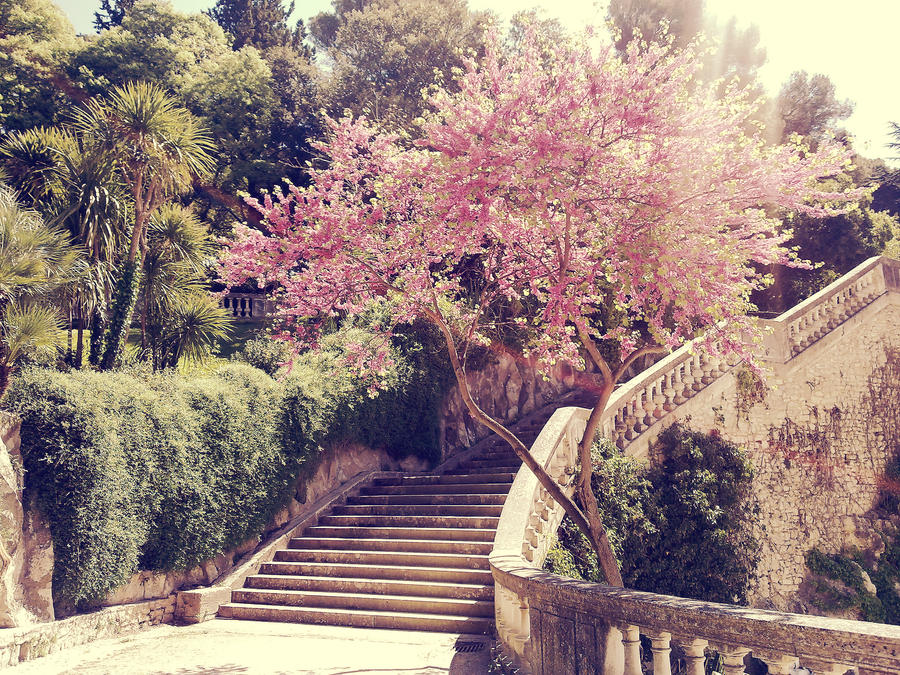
[
  {"x": 805, "y": 323},
  {"x": 637, "y": 405},
  {"x": 532, "y": 606}
]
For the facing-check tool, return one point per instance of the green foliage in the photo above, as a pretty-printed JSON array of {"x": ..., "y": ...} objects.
[
  {"x": 35, "y": 40},
  {"x": 385, "y": 52},
  {"x": 155, "y": 473},
  {"x": 264, "y": 353},
  {"x": 682, "y": 526},
  {"x": 123, "y": 309},
  {"x": 850, "y": 590},
  {"x": 141, "y": 471}
]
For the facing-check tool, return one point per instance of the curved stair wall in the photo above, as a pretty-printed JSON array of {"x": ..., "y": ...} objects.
[{"x": 559, "y": 626}]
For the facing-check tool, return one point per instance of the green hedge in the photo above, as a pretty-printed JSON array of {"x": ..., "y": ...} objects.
[
  {"x": 681, "y": 527},
  {"x": 160, "y": 472}
]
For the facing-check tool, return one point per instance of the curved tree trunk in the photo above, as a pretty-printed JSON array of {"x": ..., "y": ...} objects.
[{"x": 594, "y": 531}]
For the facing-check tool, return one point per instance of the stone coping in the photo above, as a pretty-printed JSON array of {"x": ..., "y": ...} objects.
[{"x": 818, "y": 638}]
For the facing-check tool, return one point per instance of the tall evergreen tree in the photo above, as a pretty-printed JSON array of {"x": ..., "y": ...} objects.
[
  {"x": 111, "y": 13},
  {"x": 263, "y": 24}
]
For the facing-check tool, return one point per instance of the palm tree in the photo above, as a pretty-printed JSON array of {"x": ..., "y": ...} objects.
[
  {"x": 159, "y": 148},
  {"x": 35, "y": 259},
  {"x": 178, "y": 317},
  {"x": 74, "y": 182}
]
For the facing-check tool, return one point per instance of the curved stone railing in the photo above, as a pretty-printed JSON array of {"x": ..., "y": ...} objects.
[
  {"x": 554, "y": 625},
  {"x": 558, "y": 626}
]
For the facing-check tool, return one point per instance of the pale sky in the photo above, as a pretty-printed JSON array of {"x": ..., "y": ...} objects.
[{"x": 854, "y": 43}]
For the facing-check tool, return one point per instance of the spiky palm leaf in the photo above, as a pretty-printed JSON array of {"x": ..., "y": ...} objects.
[
  {"x": 177, "y": 234},
  {"x": 195, "y": 328},
  {"x": 30, "y": 330},
  {"x": 34, "y": 258}
]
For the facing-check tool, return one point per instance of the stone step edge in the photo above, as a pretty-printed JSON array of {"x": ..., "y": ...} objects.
[
  {"x": 369, "y": 580},
  {"x": 450, "y": 619},
  {"x": 366, "y": 596}
]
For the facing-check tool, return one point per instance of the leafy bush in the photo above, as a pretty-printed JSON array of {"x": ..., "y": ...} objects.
[
  {"x": 682, "y": 526},
  {"x": 264, "y": 353},
  {"x": 140, "y": 471}
]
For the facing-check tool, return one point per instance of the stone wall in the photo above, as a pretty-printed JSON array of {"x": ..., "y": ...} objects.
[
  {"x": 507, "y": 388},
  {"x": 26, "y": 550},
  {"x": 818, "y": 444},
  {"x": 32, "y": 642}
]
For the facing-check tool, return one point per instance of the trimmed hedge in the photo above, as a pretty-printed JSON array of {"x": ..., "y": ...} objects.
[{"x": 163, "y": 471}]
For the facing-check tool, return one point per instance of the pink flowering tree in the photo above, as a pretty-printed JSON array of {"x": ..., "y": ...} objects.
[{"x": 613, "y": 206}]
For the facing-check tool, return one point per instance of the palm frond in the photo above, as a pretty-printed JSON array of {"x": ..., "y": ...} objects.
[{"x": 30, "y": 330}]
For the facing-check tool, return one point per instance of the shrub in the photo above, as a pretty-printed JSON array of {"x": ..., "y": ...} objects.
[
  {"x": 682, "y": 526},
  {"x": 154, "y": 473}
]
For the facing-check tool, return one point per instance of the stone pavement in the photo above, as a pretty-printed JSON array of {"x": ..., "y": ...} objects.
[{"x": 224, "y": 647}]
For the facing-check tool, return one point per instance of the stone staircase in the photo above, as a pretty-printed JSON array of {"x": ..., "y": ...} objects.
[{"x": 407, "y": 552}]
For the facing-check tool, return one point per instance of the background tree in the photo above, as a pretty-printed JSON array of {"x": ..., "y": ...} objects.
[
  {"x": 735, "y": 52},
  {"x": 564, "y": 197},
  {"x": 159, "y": 149},
  {"x": 385, "y": 52},
  {"x": 808, "y": 105},
  {"x": 36, "y": 40},
  {"x": 111, "y": 13},
  {"x": 263, "y": 24}
]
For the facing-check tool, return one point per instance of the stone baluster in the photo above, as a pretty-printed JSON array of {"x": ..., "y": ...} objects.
[
  {"x": 632, "y": 424},
  {"x": 678, "y": 384},
  {"x": 709, "y": 369},
  {"x": 695, "y": 656},
  {"x": 669, "y": 390},
  {"x": 821, "y": 667},
  {"x": 660, "y": 645},
  {"x": 778, "y": 663},
  {"x": 688, "y": 379},
  {"x": 621, "y": 429},
  {"x": 659, "y": 398},
  {"x": 648, "y": 405},
  {"x": 697, "y": 372},
  {"x": 733, "y": 660},
  {"x": 631, "y": 640}
]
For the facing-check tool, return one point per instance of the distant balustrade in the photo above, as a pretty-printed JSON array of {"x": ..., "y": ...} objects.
[{"x": 247, "y": 306}]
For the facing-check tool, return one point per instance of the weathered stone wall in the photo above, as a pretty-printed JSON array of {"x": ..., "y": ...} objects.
[
  {"x": 26, "y": 550},
  {"x": 24, "y": 644},
  {"x": 506, "y": 388},
  {"x": 817, "y": 443}
]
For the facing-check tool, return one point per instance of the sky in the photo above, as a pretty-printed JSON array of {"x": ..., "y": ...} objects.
[{"x": 854, "y": 43}]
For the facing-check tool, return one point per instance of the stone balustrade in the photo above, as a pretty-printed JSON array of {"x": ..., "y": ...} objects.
[
  {"x": 557, "y": 626},
  {"x": 247, "y": 306}
]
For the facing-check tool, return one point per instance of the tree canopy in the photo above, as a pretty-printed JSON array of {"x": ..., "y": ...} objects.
[{"x": 569, "y": 184}]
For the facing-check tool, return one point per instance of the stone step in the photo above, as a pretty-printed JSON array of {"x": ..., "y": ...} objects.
[
  {"x": 384, "y": 586},
  {"x": 475, "y": 488},
  {"x": 398, "y": 572},
  {"x": 360, "y": 619},
  {"x": 409, "y": 545},
  {"x": 444, "y": 533},
  {"x": 480, "y": 522},
  {"x": 400, "y": 558},
  {"x": 450, "y": 498},
  {"x": 462, "y": 478},
  {"x": 417, "y": 510},
  {"x": 364, "y": 602},
  {"x": 490, "y": 463}
]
